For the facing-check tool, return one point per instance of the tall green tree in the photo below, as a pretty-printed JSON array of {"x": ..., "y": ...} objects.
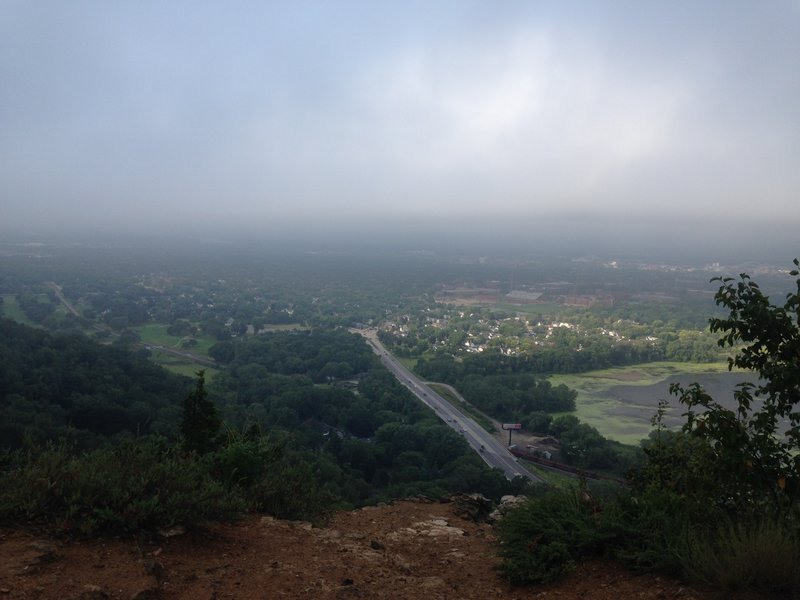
[
  {"x": 201, "y": 421},
  {"x": 756, "y": 446}
]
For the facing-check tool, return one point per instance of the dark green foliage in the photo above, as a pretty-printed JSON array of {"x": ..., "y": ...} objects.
[
  {"x": 682, "y": 466},
  {"x": 716, "y": 501},
  {"x": 37, "y": 307},
  {"x": 759, "y": 469},
  {"x": 143, "y": 485},
  {"x": 538, "y": 422},
  {"x": 544, "y": 537},
  {"x": 201, "y": 422},
  {"x": 222, "y": 352},
  {"x": 373, "y": 445},
  {"x": 319, "y": 354},
  {"x": 271, "y": 477},
  {"x": 645, "y": 529},
  {"x": 67, "y": 386},
  {"x": 501, "y": 386},
  {"x": 132, "y": 486},
  {"x": 758, "y": 554},
  {"x": 733, "y": 472},
  {"x": 583, "y": 446},
  {"x": 541, "y": 540},
  {"x": 181, "y": 328}
]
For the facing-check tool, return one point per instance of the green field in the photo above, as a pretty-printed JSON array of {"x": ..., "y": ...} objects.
[
  {"x": 532, "y": 309},
  {"x": 156, "y": 333},
  {"x": 408, "y": 363},
  {"x": 12, "y": 310},
  {"x": 621, "y": 402},
  {"x": 187, "y": 369}
]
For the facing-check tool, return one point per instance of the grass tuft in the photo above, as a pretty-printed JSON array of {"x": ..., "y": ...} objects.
[{"x": 762, "y": 555}]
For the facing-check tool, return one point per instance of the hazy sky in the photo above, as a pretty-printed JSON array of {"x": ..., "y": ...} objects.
[{"x": 318, "y": 115}]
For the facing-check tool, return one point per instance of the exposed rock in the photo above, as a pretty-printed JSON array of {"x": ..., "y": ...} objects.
[
  {"x": 473, "y": 507},
  {"x": 507, "y": 503},
  {"x": 432, "y": 528},
  {"x": 424, "y": 557},
  {"x": 93, "y": 592},
  {"x": 421, "y": 498},
  {"x": 172, "y": 531}
]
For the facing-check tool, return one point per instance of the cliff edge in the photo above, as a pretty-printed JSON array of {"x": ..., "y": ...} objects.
[{"x": 411, "y": 550}]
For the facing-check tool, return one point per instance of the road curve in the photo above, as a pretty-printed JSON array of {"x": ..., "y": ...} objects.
[{"x": 493, "y": 452}]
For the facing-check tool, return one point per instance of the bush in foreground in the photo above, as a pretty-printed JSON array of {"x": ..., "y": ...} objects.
[
  {"x": 133, "y": 486},
  {"x": 762, "y": 554},
  {"x": 145, "y": 485},
  {"x": 543, "y": 538},
  {"x": 718, "y": 501}
]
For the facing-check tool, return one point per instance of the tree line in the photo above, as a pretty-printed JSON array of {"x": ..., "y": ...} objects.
[{"x": 297, "y": 424}]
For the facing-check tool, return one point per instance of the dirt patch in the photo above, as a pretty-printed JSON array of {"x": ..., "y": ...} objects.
[{"x": 408, "y": 550}]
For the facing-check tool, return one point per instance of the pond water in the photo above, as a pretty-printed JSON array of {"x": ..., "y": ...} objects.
[
  {"x": 641, "y": 401},
  {"x": 624, "y": 411}
]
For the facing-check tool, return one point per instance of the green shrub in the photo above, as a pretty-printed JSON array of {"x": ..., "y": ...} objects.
[
  {"x": 133, "y": 486},
  {"x": 541, "y": 539},
  {"x": 762, "y": 554},
  {"x": 271, "y": 478},
  {"x": 290, "y": 491},
  {"x": 643, "y": 530}
]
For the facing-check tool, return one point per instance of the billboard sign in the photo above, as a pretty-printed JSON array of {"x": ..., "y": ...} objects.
[{"x": 508, "y": 426}]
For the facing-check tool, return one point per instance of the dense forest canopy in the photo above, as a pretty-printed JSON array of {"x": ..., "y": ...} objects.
[
  {"x": 55, "y": 386},
  {"x": 341, "y": 418}
]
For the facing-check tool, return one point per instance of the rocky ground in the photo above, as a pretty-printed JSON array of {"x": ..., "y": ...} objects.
[{"x": 407, "y": 550}]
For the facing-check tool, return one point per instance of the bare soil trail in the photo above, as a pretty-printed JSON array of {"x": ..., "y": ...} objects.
[{"x": 408, "y": 550}]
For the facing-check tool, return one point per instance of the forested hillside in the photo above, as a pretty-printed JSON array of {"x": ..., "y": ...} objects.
[
  {"x": 312, "y": 421},
  {"x": 55, "y": 386},
  {"x": 330, "y": 389}
]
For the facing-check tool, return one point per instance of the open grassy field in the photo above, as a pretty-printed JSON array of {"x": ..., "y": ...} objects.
[
  {"x": 12, "y": 310},
  {"x": 531, "y": 309},
  {"x": 408, "y": 363},
  {"x": 190, "y": 370},
  {"x": 156, "y": 333},
  {"x": 180, "y": 366},
  {"x": 621, "y": 402}
]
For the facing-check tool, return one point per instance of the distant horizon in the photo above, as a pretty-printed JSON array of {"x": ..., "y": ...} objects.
[
  {"x": 696, "y": 242},
  {"x": 581, "y": 127}
]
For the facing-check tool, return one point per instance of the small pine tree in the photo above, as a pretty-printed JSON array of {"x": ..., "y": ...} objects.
[{"x": 201, "y": 421}]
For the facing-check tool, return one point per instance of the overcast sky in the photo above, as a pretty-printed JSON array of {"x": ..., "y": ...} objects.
[{"x": 293, "y": 115}]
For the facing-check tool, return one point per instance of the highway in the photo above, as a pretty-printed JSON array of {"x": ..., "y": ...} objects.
[
  {"x": 491, "y": 450},
  {"x": 57, "y": 291}
]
